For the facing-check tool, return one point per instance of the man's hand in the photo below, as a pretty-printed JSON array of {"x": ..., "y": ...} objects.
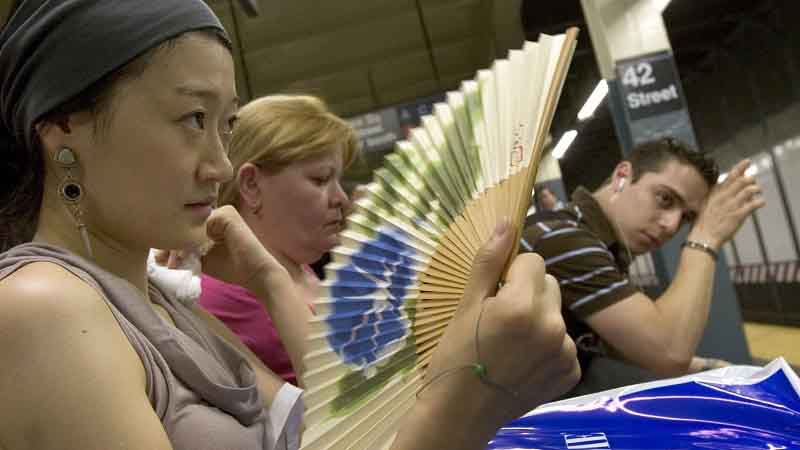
[
  {"x": 700, "y": 364},
  {"x": 726, "y": 207}
]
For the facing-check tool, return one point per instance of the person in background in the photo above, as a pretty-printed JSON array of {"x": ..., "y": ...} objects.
[
  {"x": 115, "y": 120},
  {"x": 589, "y": 245},
  {"x": 548, "y": 201},
  {"x": 288, "y": 154}
]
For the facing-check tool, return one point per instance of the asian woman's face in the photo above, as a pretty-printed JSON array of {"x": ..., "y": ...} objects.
[{"x": 153, "y": 171}]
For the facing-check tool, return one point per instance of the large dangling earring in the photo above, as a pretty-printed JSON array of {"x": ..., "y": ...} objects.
[{"x": 71, "y": 192}]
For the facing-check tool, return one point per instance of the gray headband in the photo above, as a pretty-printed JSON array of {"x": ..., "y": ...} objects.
[{"x": 51, "y": 50}]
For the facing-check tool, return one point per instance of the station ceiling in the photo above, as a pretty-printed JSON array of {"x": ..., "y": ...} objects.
[{"x": 363, "y": 55}]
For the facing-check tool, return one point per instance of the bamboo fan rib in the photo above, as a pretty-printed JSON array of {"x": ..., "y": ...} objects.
[{"x": 395, "y": 281}]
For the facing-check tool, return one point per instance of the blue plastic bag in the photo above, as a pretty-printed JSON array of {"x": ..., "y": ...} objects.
[{"x": 738, "y": 407}]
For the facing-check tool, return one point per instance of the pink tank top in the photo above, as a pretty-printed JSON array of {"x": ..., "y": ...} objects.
[{"x": 243, "y": 313}]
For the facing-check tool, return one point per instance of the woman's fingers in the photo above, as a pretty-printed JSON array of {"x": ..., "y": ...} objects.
[
  {"x": 161, "y": 257},
  {"x": 524, "y": 335},
  {"x": 489, "y": 261}
]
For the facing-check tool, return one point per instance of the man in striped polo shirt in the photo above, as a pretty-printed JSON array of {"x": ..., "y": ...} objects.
[{"x": 589, "y": 245}]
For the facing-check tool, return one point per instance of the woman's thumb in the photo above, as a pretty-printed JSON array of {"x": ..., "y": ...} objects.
[{"x": 488, "y": 264}]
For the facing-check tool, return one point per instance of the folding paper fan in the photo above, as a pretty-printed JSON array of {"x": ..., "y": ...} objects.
[{"x": 406, "y": 255}]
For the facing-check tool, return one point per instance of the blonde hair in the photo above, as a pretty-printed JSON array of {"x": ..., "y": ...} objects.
[{"x": 276, "y": 131}]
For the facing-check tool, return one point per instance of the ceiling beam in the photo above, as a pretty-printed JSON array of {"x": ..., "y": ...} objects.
[
  {"x": 6, "y": 8},
  {"x": 428, "y": 44},
  {"x": 250, "y": 7}
]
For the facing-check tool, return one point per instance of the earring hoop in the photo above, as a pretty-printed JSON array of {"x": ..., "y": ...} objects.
[{"x": 71, "y": 192}]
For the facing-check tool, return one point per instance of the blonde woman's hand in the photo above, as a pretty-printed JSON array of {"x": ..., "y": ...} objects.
[{"x": 236, "y": 255}]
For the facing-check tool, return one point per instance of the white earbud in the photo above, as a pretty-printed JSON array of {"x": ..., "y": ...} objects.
[{"x": 621, "y": 184}]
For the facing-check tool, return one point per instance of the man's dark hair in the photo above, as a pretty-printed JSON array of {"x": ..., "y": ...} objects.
[{"x": 652, "y": 156}]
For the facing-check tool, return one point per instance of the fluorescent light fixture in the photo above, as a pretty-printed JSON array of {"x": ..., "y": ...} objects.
[
  {"x": 661, "y": 5},
  {"x": 597, "y": 96},
  {"x": 564, "y": 143}
]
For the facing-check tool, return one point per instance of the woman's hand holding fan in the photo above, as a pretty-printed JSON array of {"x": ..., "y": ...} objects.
[{"x": 524, "y": 348}]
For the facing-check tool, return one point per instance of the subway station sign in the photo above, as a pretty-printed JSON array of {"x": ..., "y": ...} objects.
[
  {"x": 379, "y": 130},
  {"x": 649, "y": 85}
]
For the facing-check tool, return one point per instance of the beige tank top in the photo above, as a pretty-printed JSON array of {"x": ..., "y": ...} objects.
[{"x": 201, "y": 388}]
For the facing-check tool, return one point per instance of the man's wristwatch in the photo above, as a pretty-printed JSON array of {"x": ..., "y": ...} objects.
[{"x": 702, "y": 246}]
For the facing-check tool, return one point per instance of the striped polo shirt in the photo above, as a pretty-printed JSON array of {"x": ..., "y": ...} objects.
[{"x": 582, "y": 251}]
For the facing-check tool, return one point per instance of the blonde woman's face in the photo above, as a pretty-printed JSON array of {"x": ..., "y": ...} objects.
[{"x": 303, "y": 207}]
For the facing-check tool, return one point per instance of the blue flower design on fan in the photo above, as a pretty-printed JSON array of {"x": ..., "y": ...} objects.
[{"x": 362, "y": 324}]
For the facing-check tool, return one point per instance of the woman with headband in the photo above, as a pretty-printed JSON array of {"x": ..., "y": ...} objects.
[{"x": 114, "y": 123}]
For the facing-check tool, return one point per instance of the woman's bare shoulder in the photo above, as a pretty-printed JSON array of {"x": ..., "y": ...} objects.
[
  {"x": 38, "y": 292},
  {"x": 62, "y": 350},
  {"x": 43, "y": 279},
  {"x": 46, "y": 309},
  {"x": 45, "y": 306}
]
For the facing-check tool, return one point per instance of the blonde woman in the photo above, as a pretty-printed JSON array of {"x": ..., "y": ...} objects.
[{"x": 288, "y": 153}]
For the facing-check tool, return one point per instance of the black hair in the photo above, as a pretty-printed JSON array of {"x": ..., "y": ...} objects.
[
  {"x": 652, "y": 156},
  {"x": 22, "y": 172}
]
